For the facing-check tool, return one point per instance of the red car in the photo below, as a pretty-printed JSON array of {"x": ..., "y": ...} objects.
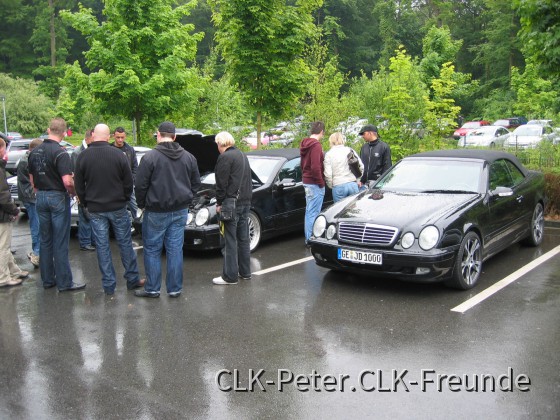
[{"x": 469, "y": 126}]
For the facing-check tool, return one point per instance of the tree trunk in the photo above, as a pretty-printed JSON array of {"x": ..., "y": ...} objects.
[
  {"x": 53, "y": 34},
  {"x": 258, "y": 129}
]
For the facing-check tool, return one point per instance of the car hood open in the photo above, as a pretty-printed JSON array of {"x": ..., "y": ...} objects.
[
  {"x": 202, "y": 147},
  {"x": 401, "y": 208}
]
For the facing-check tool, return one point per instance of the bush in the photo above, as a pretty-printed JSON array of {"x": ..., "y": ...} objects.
[{"x": 552, "y": 188}]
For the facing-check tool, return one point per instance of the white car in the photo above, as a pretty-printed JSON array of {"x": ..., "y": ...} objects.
[
  {"x": 487, "y": 136},
  {"x": 530, "y": 135}
]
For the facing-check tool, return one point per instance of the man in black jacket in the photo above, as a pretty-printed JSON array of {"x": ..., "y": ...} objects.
[
  {"x": 166, "y": 181},
  {"x": 10, "y": 273},
  {"x": 104, "y": 183},
  {"x": 119, "y": 135},
  {"x": 375, "y": 154},
  {"x": 233, "y": 181}
]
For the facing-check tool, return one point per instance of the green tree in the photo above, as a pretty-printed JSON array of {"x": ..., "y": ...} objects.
[
  {"x": 536, "y": 97},
  {"x": 27, "y": 110},
  {"x": 139, "y": 57},
  {"x": 438, "y": 48},
  {"x": 262, "y": 42}
]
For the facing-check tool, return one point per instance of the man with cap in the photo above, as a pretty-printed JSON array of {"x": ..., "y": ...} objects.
[
  {"x": 375, "y": 154},
  {"x": 103, "y": 181},
  {"x": 166, "y": 181}
]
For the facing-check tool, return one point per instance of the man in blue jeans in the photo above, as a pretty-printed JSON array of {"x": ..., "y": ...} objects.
[
  {"x": 50, "y": 172},
  {"x": 312, "y": 169},
  {"x": 166, "y": 181},
  {"x": 104, "y": 184}
]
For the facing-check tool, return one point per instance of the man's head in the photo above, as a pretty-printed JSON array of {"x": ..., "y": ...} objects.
[
  {"x": 88, "y": 137},
  {"x": 57, "y": 129},
  {"x": 224, "y": 140},
  {"x": 317, "y": 129},
  {"x": 2, "y": 148},
  {"x": 34, "y": 143},
  {"x": 101, "y": 132},
  {"x": 166, "y": 132},
  {"x": 120, "y": 136},
  {"x": 369, "y": 133}
]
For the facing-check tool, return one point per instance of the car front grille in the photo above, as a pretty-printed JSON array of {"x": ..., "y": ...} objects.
[
  {"x": 13, "y": 189},
  {"x": 366, "y": 233}
]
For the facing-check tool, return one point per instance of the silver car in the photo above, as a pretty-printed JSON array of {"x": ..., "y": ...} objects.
[
  {"x": 530, "y": 135},
  {"x": 487, "y": 136},
  {"x": 18, "y": 148}
]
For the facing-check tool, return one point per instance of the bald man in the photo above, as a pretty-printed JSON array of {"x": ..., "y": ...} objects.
[{"x": 103, "y": 182}]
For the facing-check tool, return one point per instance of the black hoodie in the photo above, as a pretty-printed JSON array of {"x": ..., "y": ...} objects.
[{"x": 167, "y": 178}]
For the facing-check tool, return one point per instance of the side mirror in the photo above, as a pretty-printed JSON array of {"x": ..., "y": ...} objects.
[
  {"x": 286, "y": 182},
  {"x": 502, "y": 192}
]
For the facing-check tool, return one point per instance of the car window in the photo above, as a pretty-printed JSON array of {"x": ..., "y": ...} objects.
[
  {"x": 291, "y": 170},
  {"x": 262, "y": 166},
  {"x": 19, "y": 146},
  {"x": 515, "y": 173},
  {"x": 500, "y": 175}
]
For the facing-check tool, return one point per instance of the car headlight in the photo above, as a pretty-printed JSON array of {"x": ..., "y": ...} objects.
[
  {"x": 319, "y": 226},
  {"x": 331, "y": 231},
  {"x": 189, "y": 218},
  {"x": 407, "y": 240},
  {"x": 428, "y": 237},
  {"x": 201, "y": 217}
]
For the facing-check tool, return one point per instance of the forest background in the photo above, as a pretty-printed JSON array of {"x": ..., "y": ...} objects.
[{"x": 238, "y": 65}]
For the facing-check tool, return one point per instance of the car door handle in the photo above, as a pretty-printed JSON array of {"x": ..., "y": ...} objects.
[{"x": 519, "y": 198}]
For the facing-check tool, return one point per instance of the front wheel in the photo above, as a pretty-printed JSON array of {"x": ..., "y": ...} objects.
[
  {"x": 468, "y": 264},
  {"x": 254, "y": 231},
  {"x": 536, "y": 227}
]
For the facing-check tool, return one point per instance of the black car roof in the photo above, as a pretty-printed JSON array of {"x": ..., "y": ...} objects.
[
  {"x": 288, "y": 153},
  {"x": 486, "y": 155}
]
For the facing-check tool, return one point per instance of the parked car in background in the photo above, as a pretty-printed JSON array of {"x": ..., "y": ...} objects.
[
  {"x": 530, "y": 135},
  {"x": 18, "y": 148},
  {"x": 12, "y": 183},
  {"x": 434, "y": 216},
  {"x": 540, "y": 122},
  {"x": 510, "y": 123},
  {"x": 487, "y": 136},
  {"x": 468, "y": 126},
  {"x": 251, "y": 139},
  {"x": 14, "y": 135}
]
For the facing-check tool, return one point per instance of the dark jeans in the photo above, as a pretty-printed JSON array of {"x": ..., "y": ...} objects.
[
  {"x": 33, "y": 226},
  {"x": 85, "y": 235},
  {"x": 236, "y": 249},
  {"x": 159, "y": 229},
  {"x": 53, "y": 208},
  {"x": 119, "y": 220}
]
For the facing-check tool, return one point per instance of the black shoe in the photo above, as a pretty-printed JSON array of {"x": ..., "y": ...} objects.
[
  {"x": 109, "y": 292},
  {"x": 48, "y": 286},
  {"x": 138, "y": 285},
  {"x": 174, "y": 294},
  {"x": 87, "y": 248},
  {"x": 245, "y": 278},
  {"x": 143, "y": 293},
  {"x": 75, "y": 286}
]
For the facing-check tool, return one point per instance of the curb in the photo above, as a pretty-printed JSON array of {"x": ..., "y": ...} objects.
[{"x": 552, "y": 223}]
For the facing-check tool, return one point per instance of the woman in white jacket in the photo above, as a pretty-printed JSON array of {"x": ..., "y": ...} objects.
[{"x": 337, "y": 172}]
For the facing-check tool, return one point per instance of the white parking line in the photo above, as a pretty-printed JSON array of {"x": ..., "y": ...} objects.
[
  {"x": 475, "y": 300},
  {"x": 280, "y": 267}
]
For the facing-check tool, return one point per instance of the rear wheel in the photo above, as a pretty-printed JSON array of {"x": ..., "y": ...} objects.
[
  {"x": 536, "y": 227},
  {"x": 254, "y": 231},
  {"x": 468, "y": 264}
]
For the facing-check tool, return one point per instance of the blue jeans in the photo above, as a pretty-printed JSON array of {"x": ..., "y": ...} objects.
[
  {"x": 119, "y": 220},
  {"x": 344, "y": 190},
  {"x": 53, "y": 208},
  {"x": 159, "y": 229},
  {"x": 236, "y": 250},
  {"x": 85, "y": 234},
  {"x": 314, "y": 198},
  {"x": 33, "y": 226}
]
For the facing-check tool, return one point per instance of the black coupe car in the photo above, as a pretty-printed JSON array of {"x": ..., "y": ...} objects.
[
  {"x": 278, "y": 203},
  {"x": 434, "y": 216}
]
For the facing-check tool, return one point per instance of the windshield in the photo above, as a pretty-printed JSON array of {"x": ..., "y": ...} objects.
[
  {"x": 19, "y": 146},
  {"x": 437, "y": 175},
  {"x": 471, "y": 125},
  {"x": 528, "y": 130},
  {"x": 262, "y": 167},
  {"x": 482, "y": 132}
]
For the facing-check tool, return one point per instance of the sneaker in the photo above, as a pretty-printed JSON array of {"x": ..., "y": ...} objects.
[
  {"x": 143, "y": 293},
  {"x": 174, "y": 294},
  {"x": 22, "y": 275},
  {"x": 220, "y": 280},
  {"x": 34, "y": 259},
  {"x": 11, "y": 282}
]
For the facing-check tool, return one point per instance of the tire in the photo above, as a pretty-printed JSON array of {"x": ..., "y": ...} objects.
[
  {"x": 492, "y": 145},
  {"x": 536, "y": 228},
  {"x": 468, "y": 264},
  {"x": 254, "y": 231}
]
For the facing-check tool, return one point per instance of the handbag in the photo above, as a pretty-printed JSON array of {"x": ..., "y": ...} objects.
[
  {"x": 354, "y": 164},
  {"x": 227, "y": 212}
]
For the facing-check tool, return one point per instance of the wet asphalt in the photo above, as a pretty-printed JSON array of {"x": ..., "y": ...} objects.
[{"x": 317, "y": 344}]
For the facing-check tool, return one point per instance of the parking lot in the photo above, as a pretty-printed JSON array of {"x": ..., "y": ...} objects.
[{"x": 296, "y": 341}]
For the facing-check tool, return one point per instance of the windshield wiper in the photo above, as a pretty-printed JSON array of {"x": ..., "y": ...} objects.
[{"x": 449, "y": 192}]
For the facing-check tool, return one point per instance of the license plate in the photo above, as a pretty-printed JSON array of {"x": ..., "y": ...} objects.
[{"x": 360, "y": 256}]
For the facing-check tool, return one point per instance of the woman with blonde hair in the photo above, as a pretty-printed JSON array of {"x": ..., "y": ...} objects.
[{"x": 338, "y": 175}]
